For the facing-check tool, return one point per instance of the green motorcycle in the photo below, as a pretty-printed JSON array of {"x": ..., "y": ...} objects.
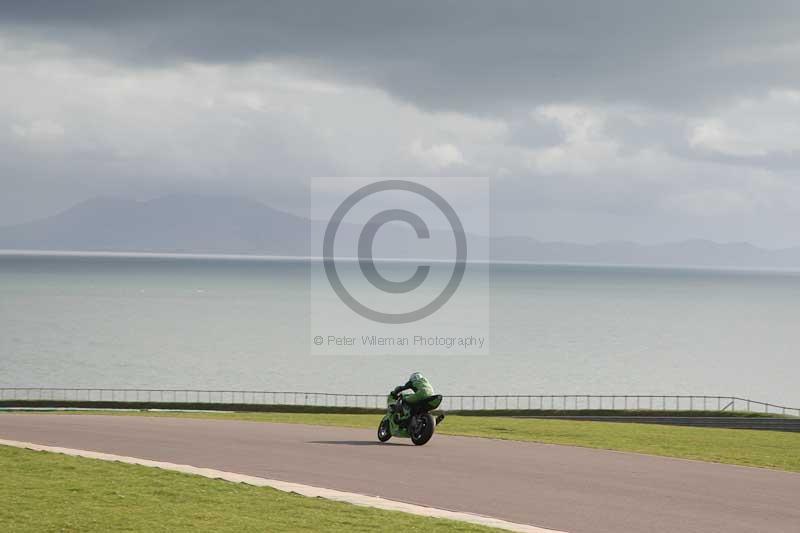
[{"x": 410, "y": 421}]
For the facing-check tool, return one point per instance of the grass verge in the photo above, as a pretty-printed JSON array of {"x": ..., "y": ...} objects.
[
  {"x": 50, "y": 492},
  {"x": 767, "y": 449}
]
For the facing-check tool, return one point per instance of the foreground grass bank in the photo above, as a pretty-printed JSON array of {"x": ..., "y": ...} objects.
[
  {"x": 768, "y": 449},
  {"x": 50, "y": 492}
]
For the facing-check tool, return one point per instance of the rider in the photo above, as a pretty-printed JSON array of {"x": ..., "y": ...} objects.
[{"x": 422, "y": 390}]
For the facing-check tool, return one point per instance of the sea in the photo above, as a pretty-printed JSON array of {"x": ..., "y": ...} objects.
[{"x": 242, "y": 323}]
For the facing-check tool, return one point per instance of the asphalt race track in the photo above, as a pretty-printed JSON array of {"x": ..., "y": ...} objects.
[{"x": 561, "y": 487}]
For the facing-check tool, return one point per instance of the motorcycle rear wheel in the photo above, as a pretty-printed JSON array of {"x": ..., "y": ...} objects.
[{"x": 422, "y": 428}]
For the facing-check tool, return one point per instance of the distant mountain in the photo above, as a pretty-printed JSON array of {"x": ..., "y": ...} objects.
[
  {"x": 174, "y": 223},
  {"x": 685, "y": 253},
  {"x": 183, "y": 223}
]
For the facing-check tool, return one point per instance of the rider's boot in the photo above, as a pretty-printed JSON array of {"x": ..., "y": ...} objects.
[{"x": 439, "y": 418}]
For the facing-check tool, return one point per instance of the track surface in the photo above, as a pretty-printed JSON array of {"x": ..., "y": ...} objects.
[{"x": 560, "y": 487}]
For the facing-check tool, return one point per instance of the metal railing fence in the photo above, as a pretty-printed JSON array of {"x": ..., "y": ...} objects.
[{"x": 457, "y": 402}]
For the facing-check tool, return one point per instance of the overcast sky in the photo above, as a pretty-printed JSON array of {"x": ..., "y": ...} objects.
[{"x": 644, "y": 121}]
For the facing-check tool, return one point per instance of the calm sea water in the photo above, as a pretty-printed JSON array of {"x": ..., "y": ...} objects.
[{"x": 78, "y": 321}]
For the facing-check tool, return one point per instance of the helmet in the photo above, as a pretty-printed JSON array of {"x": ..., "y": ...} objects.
[{"x": 416, "y": 376}]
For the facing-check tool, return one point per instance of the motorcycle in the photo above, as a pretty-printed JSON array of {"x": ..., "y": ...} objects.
[{"x": 413, "y": 422}]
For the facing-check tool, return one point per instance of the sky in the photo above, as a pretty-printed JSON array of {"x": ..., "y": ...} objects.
[{"x": 595, "y": 121}]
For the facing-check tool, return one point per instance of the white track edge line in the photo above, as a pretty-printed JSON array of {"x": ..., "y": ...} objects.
[{"x": 285, "y": 486}]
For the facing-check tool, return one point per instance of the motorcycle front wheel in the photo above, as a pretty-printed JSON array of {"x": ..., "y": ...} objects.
[
  {"x": 383, "y": 431},
  {"x": 422, "y": 429}
]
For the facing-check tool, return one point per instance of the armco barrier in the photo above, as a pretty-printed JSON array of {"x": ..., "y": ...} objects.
[{"x": 10, "y": 396}]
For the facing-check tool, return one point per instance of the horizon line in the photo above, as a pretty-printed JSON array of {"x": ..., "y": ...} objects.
[{"x": 7, "y": 252}]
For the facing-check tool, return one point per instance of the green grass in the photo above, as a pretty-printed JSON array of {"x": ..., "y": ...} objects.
[
  {"x": 768, "y": 449},
  {"x": 45, "y": 492}
]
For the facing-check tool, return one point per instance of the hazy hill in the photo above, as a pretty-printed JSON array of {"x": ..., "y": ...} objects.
[
  {"x": 685, "y": 253},
  {"x": 174, "y": 223},
  {"x": 204, "y": 224}
]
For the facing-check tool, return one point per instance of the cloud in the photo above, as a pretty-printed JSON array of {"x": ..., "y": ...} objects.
[
  {"x": 38, "y": 131},
  {"x": 497, "y": 57},
  {"x": 645, "y": 121},
  {"x": 437, "y": 156},
  {"x": 752, "y": 128},
  {"x": 712, "y": 202}
]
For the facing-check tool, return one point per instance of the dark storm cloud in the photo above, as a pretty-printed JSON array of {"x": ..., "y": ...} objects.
[{"x": 478, "y": 57}]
